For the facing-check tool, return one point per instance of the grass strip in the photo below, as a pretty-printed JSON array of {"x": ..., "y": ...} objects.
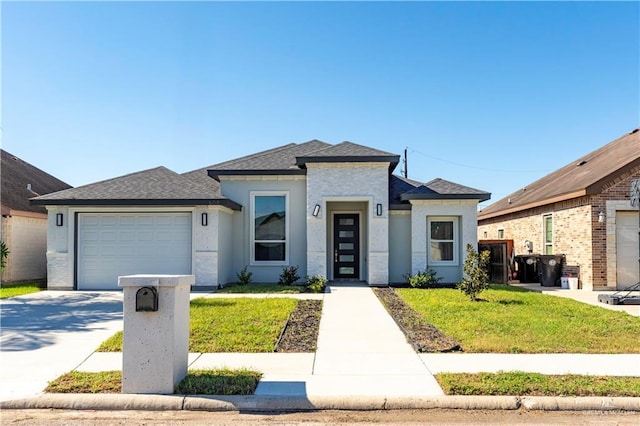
[
  {"x": 197, "y": 382},
  {"x": 229, "y": 325},
  {"x": 535, "y": 384},
  {"x": 262, "y": 289},
  {"x": 19, "y": 290},
  {"x": 514, "y": 320}
]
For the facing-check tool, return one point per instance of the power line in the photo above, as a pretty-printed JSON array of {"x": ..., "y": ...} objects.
[{"x": 475, "y": 167}]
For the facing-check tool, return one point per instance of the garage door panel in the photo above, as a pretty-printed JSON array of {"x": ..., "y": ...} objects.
[
  {"x": 111, "y": 245},
  {"x": 626, "y": 249}
]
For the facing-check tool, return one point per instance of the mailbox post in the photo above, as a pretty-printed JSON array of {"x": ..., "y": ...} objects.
[{"x": 156, "y": 332}]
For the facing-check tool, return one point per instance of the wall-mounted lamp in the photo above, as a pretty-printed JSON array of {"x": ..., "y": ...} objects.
[
  {"x": 205, "y": 219},
  {"x": 378, "y": 209},
  {"x": 601, "y": 217},
  {"x": 316, "y": 210},
  {"x": 59, "y": 219}
]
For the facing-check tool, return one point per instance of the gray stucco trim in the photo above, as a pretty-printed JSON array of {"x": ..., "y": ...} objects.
[
  {"x": 133, "y": 202},
  {"x": 392, "y": 159},
  {"x": 481, "y": 197},
  {"x": 267, "y": 172}
]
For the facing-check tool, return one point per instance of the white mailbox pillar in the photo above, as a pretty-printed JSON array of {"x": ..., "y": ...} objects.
[{"x": 156, "y": 343}]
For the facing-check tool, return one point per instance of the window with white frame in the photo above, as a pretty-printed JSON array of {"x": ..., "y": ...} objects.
[
  {"x": 443, "y": 241},
  {"x": 270, "y": 228},
  {"x": 548, "y": 233}
]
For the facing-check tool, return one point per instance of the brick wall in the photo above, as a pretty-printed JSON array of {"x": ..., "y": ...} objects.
[{"x": 577, "y": 233}]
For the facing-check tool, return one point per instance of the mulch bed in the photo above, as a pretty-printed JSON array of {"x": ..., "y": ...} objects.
[
  {"x": 301, "y": 332},
  {"x": 422, "y": 335}
]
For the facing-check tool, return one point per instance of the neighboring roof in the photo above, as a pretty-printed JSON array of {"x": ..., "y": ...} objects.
[
  {"x": 281, "y": 160},
  {"x": 348, "y": 152},
  {"x": 402, "y": 190},
  {"x": 585, "y": 176},
  {"x": 159, "y": 186},
  {"x": 16, "y": 175}
]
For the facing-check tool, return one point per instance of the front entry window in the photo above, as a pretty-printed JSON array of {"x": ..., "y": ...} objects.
[
  {"x": 443, "y": 240},
  {"x": 270, "y": 228}
]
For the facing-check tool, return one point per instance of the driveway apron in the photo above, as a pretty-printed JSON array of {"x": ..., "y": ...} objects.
[
  {"x": 49, "y": 333},
  {"x": 361, "y": 351}
]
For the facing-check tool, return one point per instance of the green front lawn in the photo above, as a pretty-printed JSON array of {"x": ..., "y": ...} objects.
[
  {"x": 18, "y": 290},
  {"x": 513, "y": 320},
  {"x": 534, "y": 384},
  {"x": 197, "y": 382},
  {"x": 230, "y": 325}
]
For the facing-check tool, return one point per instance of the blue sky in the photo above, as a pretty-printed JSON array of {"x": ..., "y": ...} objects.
[{"x": 489, "y": 95}]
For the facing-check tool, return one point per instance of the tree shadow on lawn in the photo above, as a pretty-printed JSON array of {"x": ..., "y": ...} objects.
[{"x": 30, "y": 323}]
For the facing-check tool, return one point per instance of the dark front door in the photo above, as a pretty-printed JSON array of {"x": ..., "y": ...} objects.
[{"x": 346, "y": 246}]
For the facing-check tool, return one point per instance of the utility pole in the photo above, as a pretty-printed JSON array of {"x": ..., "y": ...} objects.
[{"x": 404, "y": 161}]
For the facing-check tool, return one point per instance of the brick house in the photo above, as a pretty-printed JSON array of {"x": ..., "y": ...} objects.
[
  {"x": 582, "y": 210},
  {"x": 24, "y": 226},
  {"x": 336, "y": 210}
]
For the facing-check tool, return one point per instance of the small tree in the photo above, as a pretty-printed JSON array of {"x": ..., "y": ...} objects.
[
  {"x": 4, "y": 253},
  {"x": 476, "y": 277}
]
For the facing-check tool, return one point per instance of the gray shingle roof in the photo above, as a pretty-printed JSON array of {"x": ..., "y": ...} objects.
[
  {"x": 281, "y": 159},
  {"x": 16, "y": 174},
  {"x": 438, "y": 189},
  {"x": 584, "y": 176},
  {"x": 348, "y": 152},
  {"x": 158, "y": 186},
  {"x": 401, "y": 190}
]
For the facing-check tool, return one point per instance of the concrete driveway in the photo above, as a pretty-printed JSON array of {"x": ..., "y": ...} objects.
[{"x": 46, "y": 334}]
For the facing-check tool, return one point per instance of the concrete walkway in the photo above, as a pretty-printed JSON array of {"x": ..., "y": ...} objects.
[{"x": 361, "y": 351}]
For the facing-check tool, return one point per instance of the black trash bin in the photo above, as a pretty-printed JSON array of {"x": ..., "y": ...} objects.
[
  {"x": 550, "y": 269},
  {"x": 527, "y": 268}
]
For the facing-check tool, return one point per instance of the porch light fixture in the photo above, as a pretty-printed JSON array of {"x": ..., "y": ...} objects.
[
  {"x": 205, "y": 219},
  {"x": 59, "y": 220},
  {"x": 316, "y": 210},
  {"x": 378, "y": 209},
  {"x": 601, "y": 217}
]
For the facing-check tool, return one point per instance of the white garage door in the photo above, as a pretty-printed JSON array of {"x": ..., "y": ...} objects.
[
  {"x": 115, "y": 244},
  {"x": 627, "y": 249}
]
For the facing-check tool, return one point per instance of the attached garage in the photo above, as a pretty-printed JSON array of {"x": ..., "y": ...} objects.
[
  {"x": 626, "y": 249},
  {"x": 114, "y": 244}
]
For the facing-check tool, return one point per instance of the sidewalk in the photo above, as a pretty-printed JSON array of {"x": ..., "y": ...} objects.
[{"x": 362, "y": 359}]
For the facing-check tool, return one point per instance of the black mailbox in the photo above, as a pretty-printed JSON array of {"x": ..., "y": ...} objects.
[{"x": 147, "y": 299}]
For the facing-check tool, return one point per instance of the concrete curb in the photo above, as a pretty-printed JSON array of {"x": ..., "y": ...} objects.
[{"x": 284, "y": 403}]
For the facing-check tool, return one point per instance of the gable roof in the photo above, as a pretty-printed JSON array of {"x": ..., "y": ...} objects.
[
  {"x": 281, "y": 160},
  {"x": 585, "y": 176},
  {"x": 291, "y": 159},
  {"x": 16, "y": 175},
  {"x": 158, "y": 186},
  {"x": 348, "y": 152},
  {"x": 402, "y": 190}
]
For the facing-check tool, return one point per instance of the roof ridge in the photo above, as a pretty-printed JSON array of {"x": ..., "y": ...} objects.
[{"x": 248, "y": 156}]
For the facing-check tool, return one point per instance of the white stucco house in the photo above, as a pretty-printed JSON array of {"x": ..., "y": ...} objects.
[{"x": 336, "y": 210}]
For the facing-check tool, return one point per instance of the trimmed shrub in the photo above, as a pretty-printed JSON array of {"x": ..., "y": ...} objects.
[
  {"x": 244, "y": 277},
  {"x": 316, "y": 283},
  {"x": 423, "y": 279},
  {"x": 289, "y": 275}
]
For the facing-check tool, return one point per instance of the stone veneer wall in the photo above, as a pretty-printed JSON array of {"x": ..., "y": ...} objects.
[{"x": 349, "y": 182}]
